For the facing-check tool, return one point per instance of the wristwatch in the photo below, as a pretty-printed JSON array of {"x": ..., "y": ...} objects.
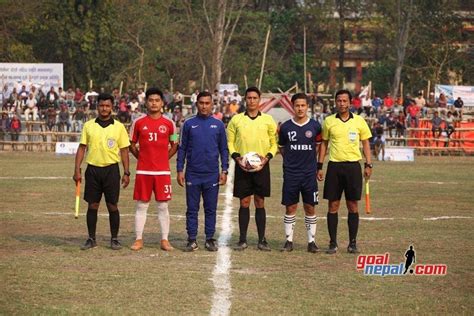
[
  {"x": 368, "y": 165},
  {"x": 127, "y": 173}
]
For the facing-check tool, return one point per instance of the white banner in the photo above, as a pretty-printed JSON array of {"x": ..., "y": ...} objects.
[
  {"x": 398, "y": 154},
  {"x": 43, "y": 76},
  {"x": 230, "y": 87},
  {"x": 466, "y": 93},
  {"x": 66, "y": 148}
]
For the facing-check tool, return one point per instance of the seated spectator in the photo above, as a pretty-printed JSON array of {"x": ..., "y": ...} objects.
[
  {"x": 218, "y": 114},
  {"x": 367, "y": 105},
  {"x": 61, "y": 95},
  {"x": 15, "y": 128},
  {"x": 52, "y": 97},
  {"x": 31, "y": 108},
  {"x": 226, "y": 116},
  {"x": 78, "y": 119},
  {"x": 70, "y": 97},
  {"x": 356, "y": 105},
  {"x": 23, "y": 96},
  {"x": 376, "y": 105},
  {"x": 458, "y": 105},
  {"x": 4, "y": 125},
  {"x": 390, "y": 121},
  {"x": 233, "y": 107},
  {"x": 236, "y": 96},
  {"x": 436, "y": 122},
  {"x": 136, "y": 114},
  {"x": 63, "y": 119},
  {"x": 78, "y": 98},
  {"x": 134, "y": 104},
  {"x": 42, "y": 107},
  {"x": 449, "y": 124},
  {"x": 51, "y": 117},
  {"x": 178, "y": 100},
  {"x": 442, "y": 101}
]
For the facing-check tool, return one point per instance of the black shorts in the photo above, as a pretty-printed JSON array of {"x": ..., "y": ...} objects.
[
  {"x": 307, "y": 185},
  {"x": 343, "y": 176},
  {"x": 102, "y": 180},
  {"x": 250, "y": 183}
]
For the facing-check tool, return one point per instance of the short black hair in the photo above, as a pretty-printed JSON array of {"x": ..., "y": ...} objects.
[
  {"x": 154, "y": 90},
  {"x": 252, "y": 89},
  {"x": 297, "y": 96},
  {"x": 343, "y": 91},
  {"x": 104, "y": 97},
  {"x": 203, "y": 94}
]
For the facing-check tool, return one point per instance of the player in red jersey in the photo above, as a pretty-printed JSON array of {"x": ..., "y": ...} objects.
[{"x": 151, "y": 137}]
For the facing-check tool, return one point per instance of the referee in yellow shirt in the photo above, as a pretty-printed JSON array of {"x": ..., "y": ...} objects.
[
  {"x": 106, "y": 141},
  {"x": 246, "y": 132},
  {"x": 343, "y": 131}
]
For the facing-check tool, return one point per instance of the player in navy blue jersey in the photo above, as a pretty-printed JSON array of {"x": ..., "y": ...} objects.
[{"x": 299, "y": 141}]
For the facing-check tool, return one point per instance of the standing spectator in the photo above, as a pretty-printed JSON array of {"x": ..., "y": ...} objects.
[
  {"x": 436, "y": 122},
  {"x": 218, "y": 114},
  {"x": 367, "y": 105},
  {"x": 135, "y": 115},
  {"x": 390, "y": 122},
  {"x": 156, "y": 138},
  {"x": 31, "y": 108},
  {"x": 4, "y": 125},
  {"x": 51, "y": 117},
  {"x": 412, "y": 114},
  {"x": 233, "y": 107},
  {"x": 123, "y": 114},
  {"x": 168, "y": 100},
  {"x": 298, "y": 141},
  {"x": 141, "y": 99},
  {"x": 194, "y": 101},
  {"x": 343, "y": 132},
  {"x": 203, "y": 141},
  {"x": 178, "y": 116},
  {"x": 236, "y": 96},
  {"x": 379, "y": 141},
  {"x": 52, "y": 97},
  {"x": 216, "y": 98},
  {"x": 226, "y": 116},
  {"x": 15, "y": 128},
  {"x": 388, "y": 102},
  {"x": 106, "y": 142},
  {"x": 252, "y": 131},
  {"x": 78, "y": 119},
  {"x": 178, "y": 99},
  {"x": 356, "y": 105},
  {"x": 134, "y": 104}
]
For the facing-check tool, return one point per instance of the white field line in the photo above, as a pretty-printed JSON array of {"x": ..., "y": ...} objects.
[
  {"x": 323, "y": 218},
  {"x": 220, "y": 276}
]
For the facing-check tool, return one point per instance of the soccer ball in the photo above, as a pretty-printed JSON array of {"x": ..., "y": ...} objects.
[{"x": 251, "y": 160}]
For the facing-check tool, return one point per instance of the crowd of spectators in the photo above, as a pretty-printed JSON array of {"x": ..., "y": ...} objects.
[{"x": 67, "y": 110}]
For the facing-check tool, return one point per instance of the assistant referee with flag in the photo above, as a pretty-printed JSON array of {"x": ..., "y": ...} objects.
[{"x": 107, "y": 142}]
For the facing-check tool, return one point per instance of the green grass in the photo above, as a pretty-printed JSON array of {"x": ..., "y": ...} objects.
[{"x": 42, "y": 270}]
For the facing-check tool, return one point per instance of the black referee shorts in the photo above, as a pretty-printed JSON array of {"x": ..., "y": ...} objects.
[
  {"x": 250, "y": 183},
  {"x": 102, "y": 180},
  {"x": 343, "y": 176}
]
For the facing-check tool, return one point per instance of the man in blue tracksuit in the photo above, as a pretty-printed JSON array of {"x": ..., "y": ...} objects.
[{"x": 202, "y": 140}]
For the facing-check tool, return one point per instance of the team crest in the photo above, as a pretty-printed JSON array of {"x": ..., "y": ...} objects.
[
  {"x": 111, "y": 143},
  {"x": 308, "y": 134},
  {"x": 162, "y": 129}
]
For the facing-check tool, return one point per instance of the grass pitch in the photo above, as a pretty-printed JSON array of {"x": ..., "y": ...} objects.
[{"x": 42, "y": 270}]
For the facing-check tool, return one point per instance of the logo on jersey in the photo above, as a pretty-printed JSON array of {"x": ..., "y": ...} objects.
[
  {"x": 213, "y": 126},
  {"x": 162, "y": 129},
  {"x": 308, "y": 134},
  {"x": 145, "y": 128},
  {"x": 111, "y": 143},
  {"x": 194, "y": 126},
  {"x": 301, "y": 147}
]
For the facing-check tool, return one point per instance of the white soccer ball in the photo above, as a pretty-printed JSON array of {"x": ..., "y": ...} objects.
[{"x": 251, "y": 160}]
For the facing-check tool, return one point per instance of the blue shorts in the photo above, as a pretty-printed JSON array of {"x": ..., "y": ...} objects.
[{"x": 293, "y": 185}]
